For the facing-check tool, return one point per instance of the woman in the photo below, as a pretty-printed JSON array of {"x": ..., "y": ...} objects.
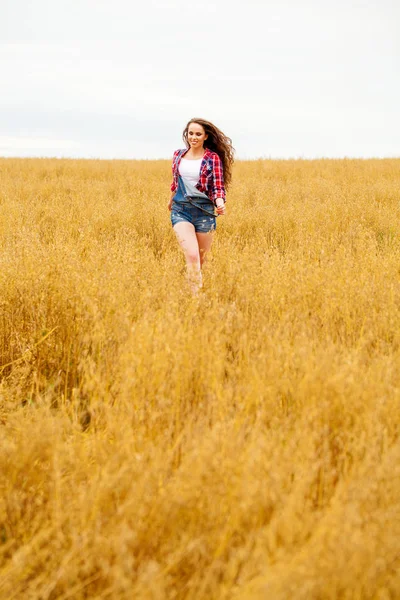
[{"x": 201, "y": 173}]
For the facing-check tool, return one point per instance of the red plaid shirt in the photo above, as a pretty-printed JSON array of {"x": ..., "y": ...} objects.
[{"x": 211, "y": 180}]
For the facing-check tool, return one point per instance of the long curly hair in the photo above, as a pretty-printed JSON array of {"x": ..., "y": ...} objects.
[{"x": 217, "y": 142}]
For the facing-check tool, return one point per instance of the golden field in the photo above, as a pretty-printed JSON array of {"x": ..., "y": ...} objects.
[{"x": 242, "y": 444}]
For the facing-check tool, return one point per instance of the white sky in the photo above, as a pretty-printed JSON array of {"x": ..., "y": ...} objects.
[{"x": 120, "y": 78}]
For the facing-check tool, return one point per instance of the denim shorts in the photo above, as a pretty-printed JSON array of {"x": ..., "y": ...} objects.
[{"x": 185, "y": 211}]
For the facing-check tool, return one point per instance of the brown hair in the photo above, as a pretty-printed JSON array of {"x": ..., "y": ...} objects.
[{"x": 217, "y": 142}]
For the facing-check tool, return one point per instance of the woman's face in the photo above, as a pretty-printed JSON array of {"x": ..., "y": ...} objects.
[{"x": 196, "y": 135}]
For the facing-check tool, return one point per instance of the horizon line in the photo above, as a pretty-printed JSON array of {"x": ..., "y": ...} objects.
[{"x": 238, "y": 159}]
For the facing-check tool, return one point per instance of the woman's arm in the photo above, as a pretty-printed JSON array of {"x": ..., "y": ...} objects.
[
  {"x": 219, "y": 194},
  {"x": 173, "y": 186}
]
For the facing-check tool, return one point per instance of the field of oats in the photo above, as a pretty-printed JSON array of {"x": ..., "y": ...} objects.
[{"x": 242, "y": 444}]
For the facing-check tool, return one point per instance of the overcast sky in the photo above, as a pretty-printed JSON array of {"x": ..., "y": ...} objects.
[{"x": 120, "y": 78}]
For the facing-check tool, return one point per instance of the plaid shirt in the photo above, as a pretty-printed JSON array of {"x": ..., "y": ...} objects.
[{"x": 211, "y": 180}]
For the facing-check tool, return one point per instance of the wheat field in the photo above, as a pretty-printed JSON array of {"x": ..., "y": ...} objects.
[{"x": 240, "y": 444}]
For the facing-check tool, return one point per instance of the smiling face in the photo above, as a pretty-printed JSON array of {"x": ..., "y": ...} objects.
[{"x": 196, "y": 135}]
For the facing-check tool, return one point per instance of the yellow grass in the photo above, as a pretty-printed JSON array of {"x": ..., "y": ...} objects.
[{"x": 239, "y": 445}]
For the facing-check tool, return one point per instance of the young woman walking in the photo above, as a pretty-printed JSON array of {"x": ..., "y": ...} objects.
[{"x": 201, "y": 174}]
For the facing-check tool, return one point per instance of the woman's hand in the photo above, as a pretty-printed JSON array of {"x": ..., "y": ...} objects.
[
  {"x": 170, "y": 204},
  {"x": 220, "y": 206}
]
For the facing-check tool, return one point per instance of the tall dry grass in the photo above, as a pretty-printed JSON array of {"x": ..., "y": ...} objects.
[{"x": 243, "y": 444}]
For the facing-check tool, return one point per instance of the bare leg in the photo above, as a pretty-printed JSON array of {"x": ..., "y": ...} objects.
[
  {"x": 187, "y": 239},
  {"x": 204, "y": 241}
]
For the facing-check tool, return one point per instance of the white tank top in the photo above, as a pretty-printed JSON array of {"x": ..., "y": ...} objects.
[{"x": 189, "y": 170}]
